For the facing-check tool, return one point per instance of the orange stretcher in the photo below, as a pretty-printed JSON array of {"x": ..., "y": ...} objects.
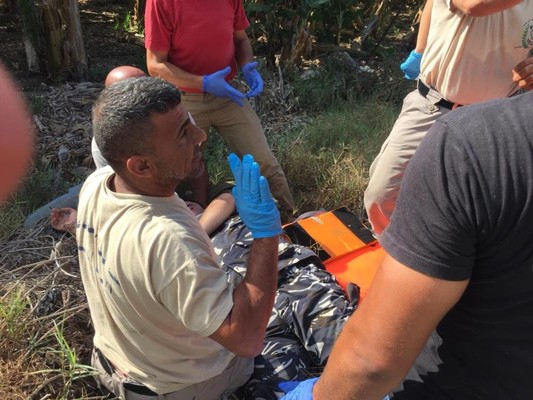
[{"x": 346, "y": 247}]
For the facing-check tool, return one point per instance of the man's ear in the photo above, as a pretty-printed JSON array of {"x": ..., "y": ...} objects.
[{"x": 139, "y": 166}]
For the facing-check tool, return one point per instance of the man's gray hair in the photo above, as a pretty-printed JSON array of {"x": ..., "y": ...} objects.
[{"x": 122, "y": 125}]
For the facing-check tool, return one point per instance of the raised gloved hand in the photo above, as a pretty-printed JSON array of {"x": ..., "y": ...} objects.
[
  {"x": 217, "y": 85},
  {"x": 411, "y": 66},
  {"x": 298, "y": 390},
  {"x": 253, "y": 79},
  {"x": 253, "y": 200}
]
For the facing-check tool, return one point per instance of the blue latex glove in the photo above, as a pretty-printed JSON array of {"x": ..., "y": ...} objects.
[
  {"x": 298, "y": 390},
  {"x": 217, "y": 85},
  {"x": 411, "y": 66},
  {"x": 253, "y": 79},
  {"x": 253, "y": 200},
  {"x": 301, "y": 390}
]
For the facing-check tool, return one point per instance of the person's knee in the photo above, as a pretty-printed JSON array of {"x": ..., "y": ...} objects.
[
  {"x": 374, "y": 192},
  {"x": 379, "y": 209}
]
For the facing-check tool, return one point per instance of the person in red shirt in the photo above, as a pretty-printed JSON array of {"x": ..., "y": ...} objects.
[{"x": 198, "y": 46}]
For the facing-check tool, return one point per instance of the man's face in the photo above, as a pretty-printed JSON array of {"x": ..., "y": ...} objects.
[{"x": 176, "y": 146}]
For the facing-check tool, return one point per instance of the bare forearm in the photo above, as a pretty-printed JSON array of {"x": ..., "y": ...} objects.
[
  {"x": 382, "y": 339},
  {"x": 482, "y": 8},
  {"x": 423, "y": 29},
  {"x": 243, "y": 49},
  {"x": 244, "y": 329},
  {"x": 357, "y": 371},
  {"x": 173, "y": 74},
  {"x": 217, "y": 212},
  {"x": 254, "y": 297}
]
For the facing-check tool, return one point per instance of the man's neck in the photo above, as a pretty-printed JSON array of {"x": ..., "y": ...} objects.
[{"x": 119, "y": 185}]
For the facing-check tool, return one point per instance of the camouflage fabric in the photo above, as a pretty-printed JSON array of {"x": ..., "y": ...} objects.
[{"x": 309, "y": 312}]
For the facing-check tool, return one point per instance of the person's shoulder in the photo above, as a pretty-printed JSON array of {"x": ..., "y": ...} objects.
[
  {"x": 175, "y": 223},
  {"x": 100, "y": 172},
  {"x": 95, "y": 178},
  {"x": 518, "y": 105},
  {"x": 499, "y": 118}
]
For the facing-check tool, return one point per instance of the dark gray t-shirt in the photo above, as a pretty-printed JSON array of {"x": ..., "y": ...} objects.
[{"x": 465, "y": 211}]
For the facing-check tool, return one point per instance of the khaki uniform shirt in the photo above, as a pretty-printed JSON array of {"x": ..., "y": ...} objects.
[
  {"x": 154, "y": 290},
  {"x": 470, "y": 59}
]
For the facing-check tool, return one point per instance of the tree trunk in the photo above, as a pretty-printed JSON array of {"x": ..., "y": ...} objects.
[
  {"x": 53, "y": 39},
  {"x": 11, "y": 6}
]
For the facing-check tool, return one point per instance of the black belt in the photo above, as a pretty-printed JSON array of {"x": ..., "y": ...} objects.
[
  {"x": 424, "y": 90},
  {"x": 134, "y": 387}
]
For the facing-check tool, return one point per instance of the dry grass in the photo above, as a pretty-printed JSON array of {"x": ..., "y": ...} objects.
[
  {"x": 45, "y": 332},
  {"x": 11, "y": 216}
]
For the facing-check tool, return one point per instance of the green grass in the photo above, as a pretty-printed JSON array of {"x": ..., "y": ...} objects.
[
  {"x": 11, "y": 218},
  {"x": 327, "y": 160},
  {"x": 25, "y": 348},
  {"x": 68, "y": 367},
  {"x": 12, "y": 312}
]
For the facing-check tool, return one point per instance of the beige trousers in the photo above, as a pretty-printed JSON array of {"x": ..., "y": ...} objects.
[
  {"x": 219, "y": 387},
  {"x": 387, "y": 170}
]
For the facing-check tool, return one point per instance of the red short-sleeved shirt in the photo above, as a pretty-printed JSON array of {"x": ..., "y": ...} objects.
[{"x": 197, "y": 34}]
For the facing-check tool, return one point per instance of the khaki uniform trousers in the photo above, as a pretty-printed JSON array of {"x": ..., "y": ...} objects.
[
  {"x": 387, "y": 170},
  {"x": 219, "y": 387},
  {"x": 241, "y": 130}
]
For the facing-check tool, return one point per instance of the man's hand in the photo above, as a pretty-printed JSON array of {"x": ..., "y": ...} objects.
[
  {"x": 302, "y": 390},
  {"x": 411, "y": 66},
  {"x": 217, "y": 85},
  {"x": 253, "y": 200},
  {"x": 64, "y": 219},
  {"x": 253, "y": 79},
  {"x": 523, "y": 74}
]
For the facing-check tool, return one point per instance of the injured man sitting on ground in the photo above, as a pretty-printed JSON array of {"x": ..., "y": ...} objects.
[{"x": 310, "y": 307}]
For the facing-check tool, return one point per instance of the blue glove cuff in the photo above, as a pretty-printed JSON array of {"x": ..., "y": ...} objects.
[
  {"x": 411, "y": 66},
  {"x": 249, "y": 66},
  {"x": 298, "y": 390}
]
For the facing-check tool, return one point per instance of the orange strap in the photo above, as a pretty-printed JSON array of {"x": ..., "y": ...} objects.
[{"x": 330, "y": 233}]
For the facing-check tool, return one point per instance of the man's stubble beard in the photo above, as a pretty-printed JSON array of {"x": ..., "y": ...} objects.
[{"x": 172, "y": 179}]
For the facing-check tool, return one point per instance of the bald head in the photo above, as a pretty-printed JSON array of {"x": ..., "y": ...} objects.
[{"x": 121, "y": 73}]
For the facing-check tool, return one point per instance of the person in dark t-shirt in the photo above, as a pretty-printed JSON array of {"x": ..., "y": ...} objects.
[{"x": 450, "y": 312}]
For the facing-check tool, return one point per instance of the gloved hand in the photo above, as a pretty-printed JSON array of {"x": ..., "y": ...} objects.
[
  {"x": 253, "y": 200},
  {"x": 253, "y": 79},
  {"x": 217, "y": 85},
  {"x": 298, "y": 390},
  {"x": 411, "y": 66},
  {"x": 301, "y": 390}
]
